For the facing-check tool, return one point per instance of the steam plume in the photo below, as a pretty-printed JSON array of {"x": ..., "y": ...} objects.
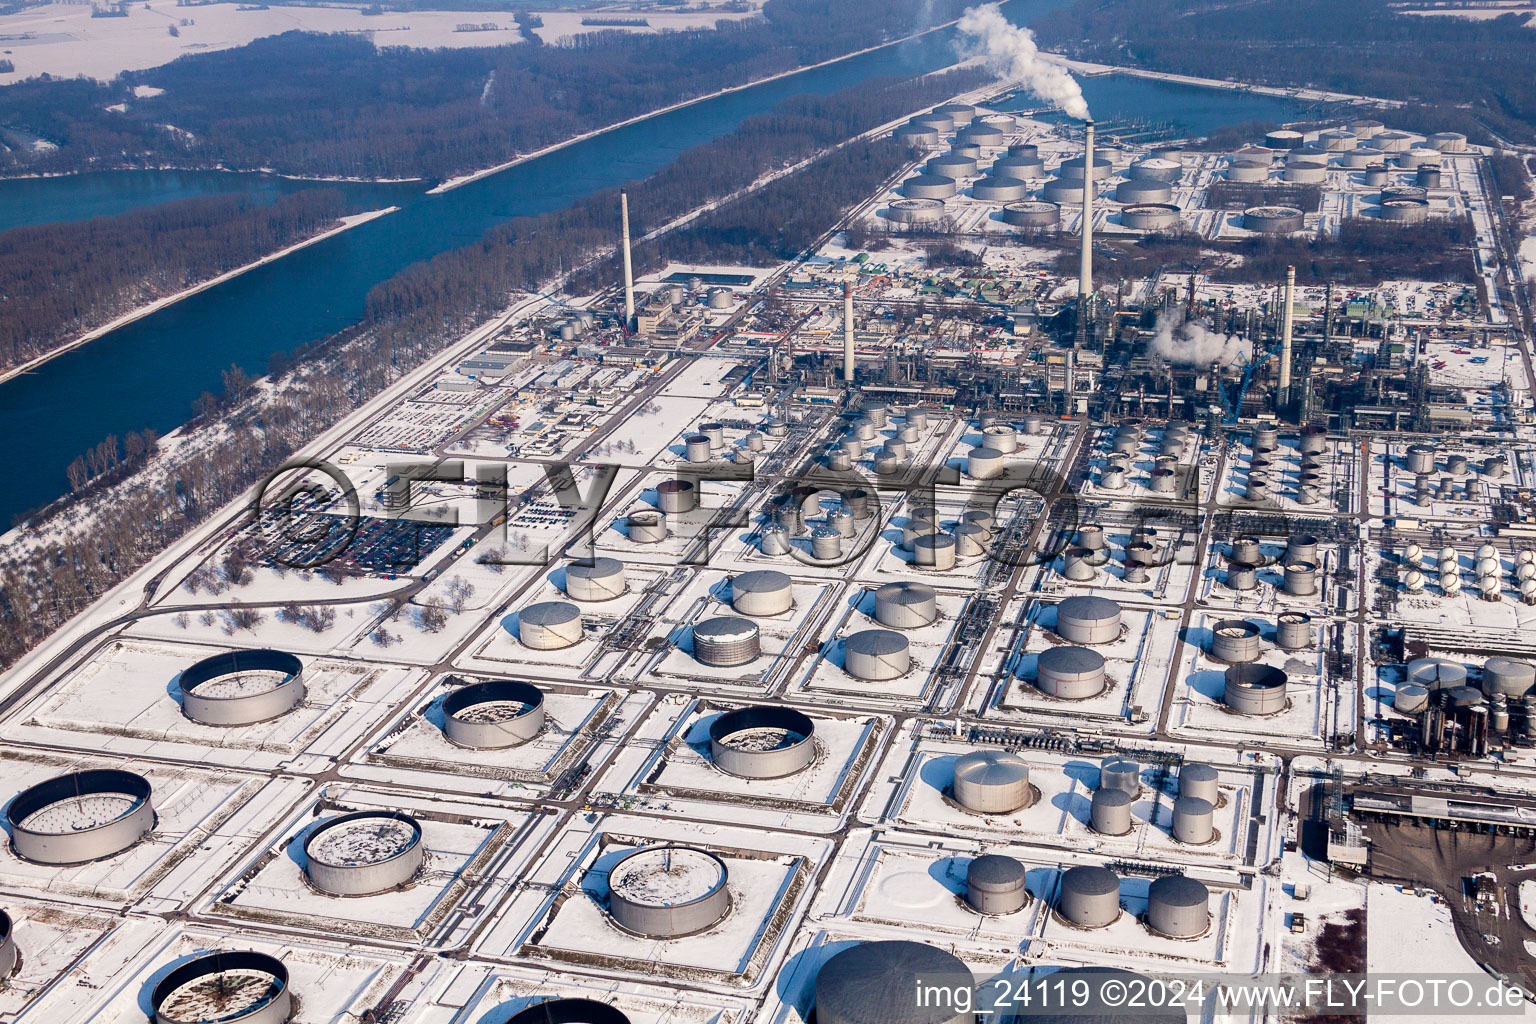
[
  {"x": 1194, "y": 344},
  {"x": 1010, "y": 51}
]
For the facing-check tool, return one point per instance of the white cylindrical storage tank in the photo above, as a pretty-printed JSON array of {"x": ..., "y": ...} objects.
[
  {"x": 1063, "y": 192},
  {"x": 1193, "y": 821},
  {"x": 1235, "y": 641},
  {"x": 666, "y": 892},
  {"x": 1274, "y": 219},
  {"x": 984, "y": 463},
  {"x": 1109, "y": 813},
  {"x": 906, "y": 605},
  {"x": 1088, "y": 620},
  {"x": 364, "y": 853},
  {"x": 1072, "y": 168},
  {"x": 1284, "y": 138},
  {"x": 1410, "y": 698},
  {"x": 1393, "y": 142},
  {"x": 1199, "y": 780},
  {"x": 549, "y": 625},
  {"x": 935, "y": 551},
  {"x": 1150, "y": 217},
  {"x": 1337, "y": 140},
  {"x": 8, "y": 952},
  {"x": 1305, "y": 174},
  {"x": 775, "y": 541},
  {"x": 914, "y": 211},
  {"x": 493, "y": 715},
  {"x": 696, "y": 448},
  {"x": 1247, "y": 549},
  {"x": 241, "y": 687},
  {"x": 826, "y": 543},
  {"x": 719, "y": 298},
  {"x": 1302, "y": 547},
  {"x": 876, "y": 982},
  {"x": 913, "y": 528},
  {"x": 1417, "y": 157},
  {"x": 762, "y": 742},
  {"x": 1242, "y": 576},
  {"x": 1301, "y": 579},
  {"x": 1374, "y": 174},
  {"x": 726, "y": 641},
  {"x": 1448, "y": 142},
  {"x": 1078, "y": 564},
  {"x": 1178, "y": 906},
  {"x": 1428, "y": 176},
  {"x": 970, "y": 540},
  {"x": 1070, "y": 673},
  {"x": 1091, "y": 536},
  {"x": 1037, "y": 214},
  {"x": 1437, "y": 673},
  {"x": 1255, "y": 689},
  {"x": 1293, "y": 631},
  {"x": 1000, "y": 190},
  {"x": 595, "y": 579},
  {"x": 1361, "y": 157},
  {"x": 1366, "y": 128},
  {"x": 1257, "y": 488},
  {"x": 227, "y": 986},
  {"x": 875, "y": 655},
  {"x": 1266, "y": 439},
  {"x": 1307, "y": 156},
  {"x": 1090, "y": 897},
  {"x": 929, "y": 186},
  {"x": 647, "y": 526},
  {"x": 80, "y": 817},
  {"x": 762, "y": 592},
  {"x": 1405, "y": 211},
  {"x": 977, "y": 134},
  {"x": 1155, "y": 169},
  {"x": 1021, "y": 168},
  {"x": 916, "y": 135},
  {"x": 960, "y": 113},
  {"x": 992, "y": 782},
  {"x": 1135, "y": 191},
  {"x": 1248, "y": 171},
  {"x": 675, "y": 497},
  {"x": 952, "y": 165},
  {"x": 755, "y": 441},
  {"x": 994, "y": 885},
  {"x": 1000, "y": 437},
  {"x": 1122, "y": 774},
  {"x": 1507, "y": 676}
]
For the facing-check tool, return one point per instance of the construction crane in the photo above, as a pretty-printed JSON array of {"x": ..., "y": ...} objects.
[{"x": 1234, "y": 409}]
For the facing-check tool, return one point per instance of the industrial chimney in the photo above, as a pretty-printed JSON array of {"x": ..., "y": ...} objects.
[
  {"x": 629, "y": 272},
  {"x": 1085, "y": 270},
  {"x": 847, "y": 333},
  {"x": 1284, "y": 397}
]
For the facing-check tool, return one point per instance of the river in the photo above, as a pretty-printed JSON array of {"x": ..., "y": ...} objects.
[{"x": 147, "y": 373}]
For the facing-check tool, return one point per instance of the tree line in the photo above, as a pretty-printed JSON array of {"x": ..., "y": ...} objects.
[
  {"x": 334, "y": 105},
  {"x": 59, "y": 281},
  {"x": 1363, "y": 47},
  {"x": 121, "y": 519}
]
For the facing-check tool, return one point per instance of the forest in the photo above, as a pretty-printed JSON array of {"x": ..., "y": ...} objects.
[
  {"x": 1362, "y": 47},
  {"x": 59, "y": 281},
  {"x": 136, "y": 508},
  {"x": 334, "y": 105}
]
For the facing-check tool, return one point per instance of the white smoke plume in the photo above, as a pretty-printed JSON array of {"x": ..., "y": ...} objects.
[
  {"x": 1193, "y": 343},
  {"x": 1010, "y": 51}
]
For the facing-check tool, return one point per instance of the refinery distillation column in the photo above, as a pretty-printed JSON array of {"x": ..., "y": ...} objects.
[
  {"x": 629, "y": 273},
  {"x": 847, "y": 333},
  {"x": 1085, "y": 267},
  {"x": 1283, "y": 398}
]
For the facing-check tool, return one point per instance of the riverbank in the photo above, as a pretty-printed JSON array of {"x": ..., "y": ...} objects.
[
  {"x": 1090, "y": 69},
  {"x": 473, "y": 176},
  {"x": 346, "y": 224}
]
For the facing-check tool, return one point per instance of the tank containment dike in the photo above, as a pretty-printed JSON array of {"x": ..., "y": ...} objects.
[
  {"x": 992, "y": 782},
  {"x": 1089, "y": 897},
  {"x": 876, "y": 983},
  {"x": 569, "y": 1011},
  {"x": 1255, "y": 689},
  {"x": 1178, "y": 906},
  {"x": 762, "y": 742},
  {"x": 241, "y": 687},
  {"x": 994, "y": 885},
  {"x": 231, "y": 987},
  {"x": 364, "y": 853},
  {"x": 493, "y": 715},
  {"x": 80, "y": 817},
  {"x": 666, "y": 892},
  {"x": 1110, "y": 812}
]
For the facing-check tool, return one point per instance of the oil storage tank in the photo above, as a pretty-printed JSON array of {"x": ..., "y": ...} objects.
[
  {"x": 1248, "y": 169},
  {"x": 875, "y": 655},
  {"x": 595, "y": 579},
  {"x": 906, "y": 605},
  {"x": 1235, "y": 640},
  {"x": 549, "y": 625},
  {"x": 364, "y": 853},
  {"x": 1122, "y": 774},
  {"x": 914, "y": 211},
  {"x": 1274, "y": 220},
  {"x": 1255, "y": 689},
  {"x": 1088, "y": 620},
  {"x": 1155, "y": 169},
  {"x": 241, "y": 687},
  {"x": 1110, "y": 812},
  {"x": 1193, "y": 821},
  {"x": 1143, "y": 191},
  {"x": 877, "y": 983},
  {"x": 1089, "y": 897},
  {"x": 762, "y": 742},
  {"x": 1293, "y": 631},
  {"x": 935, "y": 550},
  {"x": 1150, "y": 217},
  {"x": 225, "y": 986},
  {"x": 992, "y": 782},
  {"x": 1037, "y": 214},
  {"x": 676, "y": 496},
  {"x": 646, "y": 526},
  {"x": 1178, "y": 906},
  {"x": 493, "y": 715},
  {"x": 762, "y": 592},
  {"x": 1507, "y": 676},
  {"x": 929, "y": 186},
  {"x": 953, "y": 165},
  {"x": 1000, "y": 190},
  {"x": 8, "y": 952},
  {"x": 1070, "y": 673},
  {"x": 666, "y": 892},
  {"x": 1071, "y": 169},
  {"x": 80, "y": 817},
  {"x": 726, "y": 641},
  {"x": 569, "y": 1011},
  {"x": 994, "y": 885}
]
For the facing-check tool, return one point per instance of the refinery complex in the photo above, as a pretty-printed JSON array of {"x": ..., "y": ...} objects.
[{"x": 973, "y": 594}]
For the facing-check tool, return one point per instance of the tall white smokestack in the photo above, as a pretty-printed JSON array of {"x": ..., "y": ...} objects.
[
  {"x": 1085, "y": 270},
  {"x": 848, "y": 332},
  {"x": 1285, "y": 337},
  {"x": 629, "y": 271}
]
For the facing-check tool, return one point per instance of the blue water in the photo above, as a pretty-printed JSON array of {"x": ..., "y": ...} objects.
[{"x": 147, "y": 373}]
